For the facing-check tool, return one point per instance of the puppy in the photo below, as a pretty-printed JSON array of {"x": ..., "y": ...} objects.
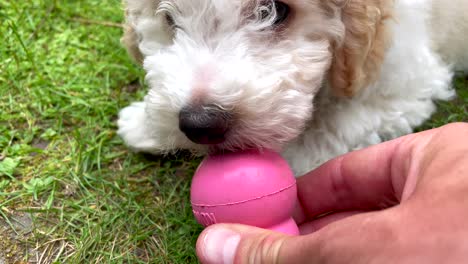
[{"x": 310, "y": 78}]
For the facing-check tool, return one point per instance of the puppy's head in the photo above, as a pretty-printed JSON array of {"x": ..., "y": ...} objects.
[{"x": 236, "y": 74}]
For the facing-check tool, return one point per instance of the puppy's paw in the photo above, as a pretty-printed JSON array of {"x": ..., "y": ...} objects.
[{"x": 133, "y": 128}]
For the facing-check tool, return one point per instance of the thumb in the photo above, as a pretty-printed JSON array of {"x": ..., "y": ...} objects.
[{"x": 226, "y": 244}]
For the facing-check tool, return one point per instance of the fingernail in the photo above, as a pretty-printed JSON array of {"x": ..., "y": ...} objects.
[{"x": 220, "y": 245}]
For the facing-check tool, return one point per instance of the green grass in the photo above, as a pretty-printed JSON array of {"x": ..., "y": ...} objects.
[
  {"x": 70, "y": 192},
  {"x": 64, "y": 75}
]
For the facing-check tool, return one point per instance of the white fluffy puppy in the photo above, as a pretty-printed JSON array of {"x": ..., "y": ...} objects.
[{"x": 311, "y": 78}]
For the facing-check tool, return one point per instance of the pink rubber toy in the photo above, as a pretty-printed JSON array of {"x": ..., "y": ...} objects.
[{"x": 252, "y": 188}]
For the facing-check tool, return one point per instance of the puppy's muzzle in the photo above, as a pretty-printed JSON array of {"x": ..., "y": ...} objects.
[{"x": 204, "y": 124}]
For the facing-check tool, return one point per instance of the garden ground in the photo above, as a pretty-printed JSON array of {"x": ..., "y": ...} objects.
[{"x": 70, "y": 192}]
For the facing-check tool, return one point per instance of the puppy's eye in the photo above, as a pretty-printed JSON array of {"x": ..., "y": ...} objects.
[
  {"x": 282, "y": 12},
  {"x": 170, "y": 20}
]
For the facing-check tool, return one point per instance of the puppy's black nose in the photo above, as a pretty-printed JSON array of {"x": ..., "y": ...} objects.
[{"x": 205, "y": 125}]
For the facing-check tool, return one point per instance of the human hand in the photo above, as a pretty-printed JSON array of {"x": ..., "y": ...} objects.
[{"x": 403, "y": 201}]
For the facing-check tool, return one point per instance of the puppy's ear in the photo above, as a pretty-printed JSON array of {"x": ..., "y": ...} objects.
[
  {"x": 130, "y": 41},
  {"x": 140, "y": 22},
  {"x": 358, "y": 57}
]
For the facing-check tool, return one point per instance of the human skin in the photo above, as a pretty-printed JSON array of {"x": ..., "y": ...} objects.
[{"x": 403, "y": 201}]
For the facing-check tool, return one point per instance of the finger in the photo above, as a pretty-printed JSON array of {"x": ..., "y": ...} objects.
[
  {"x": 361, "y": 180},
  {"x": 319, "y": 223},
  {"x": 225, "y": 244},
  {"x": 342, "y": 241}
]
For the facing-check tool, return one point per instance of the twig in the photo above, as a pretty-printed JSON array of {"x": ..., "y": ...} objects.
[
  {"x": 113, "y": 247},
  {"x": 50, "y": 250},
  {"x": 43, "y": 254},
  {"x": 54, "y": 240},
  {"x": 101, "y": 23}
]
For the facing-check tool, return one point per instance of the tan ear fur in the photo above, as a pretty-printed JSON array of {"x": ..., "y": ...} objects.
[
  {"x": 130, "y": 41},
  {"x": 130, "y": 38},
  {"x": 358, "y": 58},
  {"x": 133, "y": 10}
]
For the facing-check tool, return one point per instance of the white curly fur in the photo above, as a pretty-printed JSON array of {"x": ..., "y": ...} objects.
[{"x": 221, "y": 52}]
